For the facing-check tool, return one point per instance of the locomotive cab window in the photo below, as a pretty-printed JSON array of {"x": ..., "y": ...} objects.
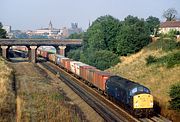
[
  {"x": 133, "y": 91},
  {"x": 139, "y": 89},
  {"x": 146, "y": 90}
]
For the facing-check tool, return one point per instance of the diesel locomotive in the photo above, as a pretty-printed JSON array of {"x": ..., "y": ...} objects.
[{"x": 134, "y": 97}]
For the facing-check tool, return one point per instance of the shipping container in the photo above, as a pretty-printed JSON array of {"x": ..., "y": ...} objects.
[
  {"x": 63, "y": 61},
  {"x": 72, "y": 67},
  {"x": 100, "y": 79},
  {"x": 67, "y": 64},
  {"x": 90, "y": 75},
  {"x": 84, "y": 71},
  {"x": 77, "y": 67}
]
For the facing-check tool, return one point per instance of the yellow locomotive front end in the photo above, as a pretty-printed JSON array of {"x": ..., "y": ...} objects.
[
  {"x": 143, "y": 101},
  {"x": 143, "y": 105}
]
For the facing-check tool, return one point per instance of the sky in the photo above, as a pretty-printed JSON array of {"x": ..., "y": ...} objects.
[{"x": 34, "y": 14}]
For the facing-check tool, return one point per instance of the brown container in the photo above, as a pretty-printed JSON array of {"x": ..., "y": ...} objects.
[
  {"x": 90, "y": 75},
  {"x": 83, "y": 71},
  {"x": 100, "y": 79},
  {"x": 67, "y": 64},
  {"x": 63, "y": 61}
]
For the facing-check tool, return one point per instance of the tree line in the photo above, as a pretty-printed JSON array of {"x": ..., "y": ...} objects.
[{"x": 108, "y": 38}]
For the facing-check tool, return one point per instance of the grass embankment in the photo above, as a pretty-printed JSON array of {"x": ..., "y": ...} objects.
[
  {"x": 7, "y": 96},
  {"x": 161, "y": 72}
]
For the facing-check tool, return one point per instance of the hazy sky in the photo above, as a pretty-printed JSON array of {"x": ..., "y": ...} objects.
[{"x": 34, "y": 14}]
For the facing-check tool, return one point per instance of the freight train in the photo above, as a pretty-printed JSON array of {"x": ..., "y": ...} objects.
[{"x": 134, "y": 97}]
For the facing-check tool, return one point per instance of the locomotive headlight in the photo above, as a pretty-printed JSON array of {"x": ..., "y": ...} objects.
[
  {"x": 136, "y": 104},
  {"x": 151, "y": 103}
]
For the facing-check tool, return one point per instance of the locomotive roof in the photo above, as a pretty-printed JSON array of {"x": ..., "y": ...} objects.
[{"x": 123, "y": 82}]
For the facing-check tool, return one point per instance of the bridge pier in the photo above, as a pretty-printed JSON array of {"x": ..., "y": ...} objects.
[
  {"x": 32, "y": 53},
  {"x": 5, "y": 51},
  {"x": 61, "y": 50}
]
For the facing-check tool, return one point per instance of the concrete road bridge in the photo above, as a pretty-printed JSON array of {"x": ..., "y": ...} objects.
[{"x": 33, "y": 44}]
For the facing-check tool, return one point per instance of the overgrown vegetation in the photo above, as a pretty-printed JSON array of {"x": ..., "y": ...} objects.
[
  {"x": 169, "y": 60},
  {"x": 150, "y": 59},
  {"x": 175, "y": 96},
  {"x": 166, "y": 43}
]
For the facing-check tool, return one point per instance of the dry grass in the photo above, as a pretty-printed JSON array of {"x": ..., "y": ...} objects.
[
  {"x": 157, "y": 78},
  {"x": 40, "y": 100},
  {"x": 7, "y": 96}
]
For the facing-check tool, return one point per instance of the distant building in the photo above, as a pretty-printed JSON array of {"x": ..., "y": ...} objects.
[
  {"x": 165, "y": 27},
  {"x": 48, "y": 31},
  {"x": 54, "y": 33},
  {"x": 74, "y": 29}
]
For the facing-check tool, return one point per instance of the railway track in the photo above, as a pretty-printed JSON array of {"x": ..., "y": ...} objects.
[{"x": 107, "y": 109}]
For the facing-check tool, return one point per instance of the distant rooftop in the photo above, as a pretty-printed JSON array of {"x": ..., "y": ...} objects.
[{"x": 170, "y": 24}]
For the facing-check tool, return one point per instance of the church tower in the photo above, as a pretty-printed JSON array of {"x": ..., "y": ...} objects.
[{"x": 50, "y": 26}]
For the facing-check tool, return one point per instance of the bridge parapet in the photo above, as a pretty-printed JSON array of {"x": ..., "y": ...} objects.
[{"x": 39, "y": 42}]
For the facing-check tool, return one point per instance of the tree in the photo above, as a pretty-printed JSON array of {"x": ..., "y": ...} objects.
[
  {"x": 76, "y": 36},
  {"x": 152, "y": 24},
  {"x": 101, "y": 59},
  {"x": 102, "y": 33},
  {"x": 2, "y": 32},
  {"x": 133, "y": 36},
  {"x": 170, "y": 14},
  {"x": 74, "y": 54}
]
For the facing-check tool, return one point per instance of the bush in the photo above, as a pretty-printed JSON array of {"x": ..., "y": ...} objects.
[
  {"x": 165, "y": 43},
  {"x": 170, "y": 60},
  {"x": 74, "y": 54},
  {"x": 150, "y": 59},
  {"x": 104, "y": 59},
  {"x": 101, "y": 59},
  {"x": 175, "y": 97}
]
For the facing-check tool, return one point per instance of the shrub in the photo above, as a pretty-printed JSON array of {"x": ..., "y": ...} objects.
[
  {"x": 101, "y": 59},
  {"x": 170, "y": 60},
  {"x": 74, "y": 54},
  {"x": 150, "y": 59},
  {"x": 175, "y": 97},
  {"x": 165, "y": 43}
]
